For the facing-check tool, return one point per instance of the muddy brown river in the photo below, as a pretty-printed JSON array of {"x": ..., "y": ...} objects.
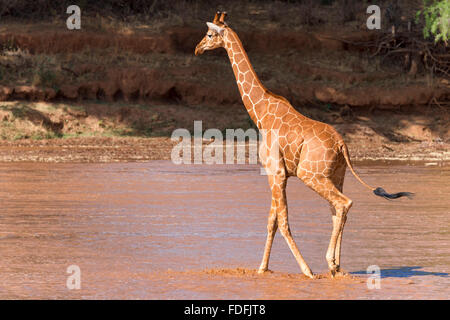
[{"x": 159, "y": 231}]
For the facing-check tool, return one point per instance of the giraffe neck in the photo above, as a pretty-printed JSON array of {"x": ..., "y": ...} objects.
[{"x": 254, "y": 95}]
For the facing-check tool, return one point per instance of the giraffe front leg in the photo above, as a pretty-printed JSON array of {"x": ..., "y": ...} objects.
[
  {"x": 271, "y": 230},
  {"x": 278, "y": 186},
  {"x": 275, "y": 182}
]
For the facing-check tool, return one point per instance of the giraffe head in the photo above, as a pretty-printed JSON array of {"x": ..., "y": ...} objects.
[{"x": 215, "y": 36}]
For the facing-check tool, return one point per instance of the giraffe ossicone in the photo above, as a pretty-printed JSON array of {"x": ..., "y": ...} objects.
[{"x": 311, "y": 150}]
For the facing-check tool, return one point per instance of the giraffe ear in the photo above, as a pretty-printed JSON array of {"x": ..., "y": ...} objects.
[{"x": 215, "y": 27}]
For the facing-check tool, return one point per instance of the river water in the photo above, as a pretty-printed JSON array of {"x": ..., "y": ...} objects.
[{"x": 160, "y": 231}]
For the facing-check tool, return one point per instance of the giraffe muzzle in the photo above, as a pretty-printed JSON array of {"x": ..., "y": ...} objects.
[{"x": 198, "y": 50}]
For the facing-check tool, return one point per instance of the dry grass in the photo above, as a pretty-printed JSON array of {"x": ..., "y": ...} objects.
[{"x": 19, "y": 67}]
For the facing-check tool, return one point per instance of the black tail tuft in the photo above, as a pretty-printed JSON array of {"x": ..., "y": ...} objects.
[{"x": 382, "y": 193}]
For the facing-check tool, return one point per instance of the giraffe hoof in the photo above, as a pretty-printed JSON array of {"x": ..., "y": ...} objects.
[
  {"x": 310, "y": 275},
  {"x": 333, "y": 271},
  {"x": 341, "y": 273},
  {"x": 264, "y": 271}
]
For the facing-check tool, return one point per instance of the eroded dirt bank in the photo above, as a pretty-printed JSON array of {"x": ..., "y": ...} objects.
[
  {"x": 305, "y": 67},
  {"x": 104, "y": 132}
]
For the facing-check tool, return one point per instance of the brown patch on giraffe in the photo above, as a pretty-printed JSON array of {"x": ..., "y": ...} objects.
[
  {"x": 246, "y": 100},
  {"x": 248, "y": 75},
  {"x": 283, "y": 141},
  {"x": 246, "y": 86},
  {"x": 241, "y": 78},
  {"x": 289, "y": 152},
  {"x": 260, "y": 106},
  {"x": 267, "y": 122},
  {"x": 258, "y": 91},
  {"x": 235, "y": 47},
  {"x": 282, "y": 109},
  {"x": 235, "y": 68},
  {"x": 239, "y": 57}
]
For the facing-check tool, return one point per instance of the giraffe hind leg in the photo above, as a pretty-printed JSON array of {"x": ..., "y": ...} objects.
[
  {"x": 327, "y": 189},
  {"x": 338, "y": 180}
]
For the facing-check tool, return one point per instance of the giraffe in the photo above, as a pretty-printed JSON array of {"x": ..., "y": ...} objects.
[{"x": 311, "y": 150}]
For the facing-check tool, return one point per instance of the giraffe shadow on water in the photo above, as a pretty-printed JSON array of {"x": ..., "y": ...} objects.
[{"x": 405, "y": 272}]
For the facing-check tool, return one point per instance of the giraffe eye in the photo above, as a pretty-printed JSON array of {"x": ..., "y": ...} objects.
[{"x": 210, "y": 36}]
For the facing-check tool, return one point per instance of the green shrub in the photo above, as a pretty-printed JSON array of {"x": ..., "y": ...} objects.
[
  {"x": 436, "y": 16},
  {"x": 44, "y": 77}
]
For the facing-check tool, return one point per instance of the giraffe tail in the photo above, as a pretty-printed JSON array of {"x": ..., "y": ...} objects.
[{"x": 377, "y": 191}]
